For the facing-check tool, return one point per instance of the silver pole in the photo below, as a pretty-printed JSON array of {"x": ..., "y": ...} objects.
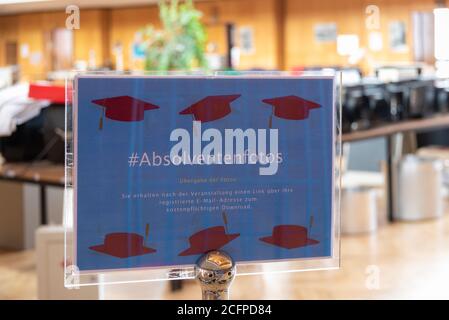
[{"x": 215, "y": 271}]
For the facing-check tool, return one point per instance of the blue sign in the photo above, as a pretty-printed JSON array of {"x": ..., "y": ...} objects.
[{"x": 168, "y": 168}]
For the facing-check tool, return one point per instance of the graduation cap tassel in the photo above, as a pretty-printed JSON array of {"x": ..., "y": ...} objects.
[
  {"x": 310, "y": 225},
  {"x": 270, "y": 121},
  {"x": 100, "y": 124},
  {"x": 147, "y": 231},
  {"x": 225, "y": 220}
]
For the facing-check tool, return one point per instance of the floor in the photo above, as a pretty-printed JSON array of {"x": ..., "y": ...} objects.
[{"x": 400, "y": 261}]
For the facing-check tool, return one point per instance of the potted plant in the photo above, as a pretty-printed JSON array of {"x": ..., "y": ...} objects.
[{"x": 180, "y": 44}]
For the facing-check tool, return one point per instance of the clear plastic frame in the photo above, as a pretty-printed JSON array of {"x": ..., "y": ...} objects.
[{"x": 137, "y": 210}]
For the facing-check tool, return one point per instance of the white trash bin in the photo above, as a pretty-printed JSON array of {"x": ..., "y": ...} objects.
[
  {"x": 359, "y": 209},
  {"x": 419, "y": 189}
]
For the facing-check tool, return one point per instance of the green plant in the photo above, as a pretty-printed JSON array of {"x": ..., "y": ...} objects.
[{"x": 180, "y": 44}]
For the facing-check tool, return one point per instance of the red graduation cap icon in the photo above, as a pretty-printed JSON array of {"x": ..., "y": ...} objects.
[
  {"x": 291, "y": 107},
  {"x": 123, "y": 245},
  {"x": 211, "y": 108},
  {"x": 289, "y": 237},
  {"x": 124, "y": 108},
  {"x": 212, "y": 238}
]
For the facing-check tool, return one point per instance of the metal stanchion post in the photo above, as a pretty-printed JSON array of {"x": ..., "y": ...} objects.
[{"x": 215, "y": 271}]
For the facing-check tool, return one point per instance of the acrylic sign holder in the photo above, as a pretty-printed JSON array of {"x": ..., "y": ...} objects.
[{"x": 215, "y": 269}]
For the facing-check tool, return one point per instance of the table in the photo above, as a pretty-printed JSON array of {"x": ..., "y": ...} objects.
[
  {"x": 41, "y": 173},
  {"x": 433, "y": 123},
  {"x": 437, "y": 121}
]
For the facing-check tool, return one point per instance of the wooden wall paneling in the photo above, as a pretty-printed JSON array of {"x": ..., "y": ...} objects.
[
  {"x": 301, "y": 49},
  {"x": 31, "y": 46},
  {"x": 258, "y": 14},
  {"x": 280, "y": 14},
  {"x": 124, "y": 25},
  {"x": 106, "y": 37},
  {"x": 33, "y": 32},
  {"x": 92, "y": 37},
  {"x": 215, "y": 28},
  {"x": 283, "y": 31},
  {"x": 49, "y": 22},
  {"x": 8, "y": 34},
  {"x": 391, "y": 11}
]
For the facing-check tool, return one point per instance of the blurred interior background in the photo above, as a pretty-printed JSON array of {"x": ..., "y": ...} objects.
[{"x": 394, "y": 59}]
